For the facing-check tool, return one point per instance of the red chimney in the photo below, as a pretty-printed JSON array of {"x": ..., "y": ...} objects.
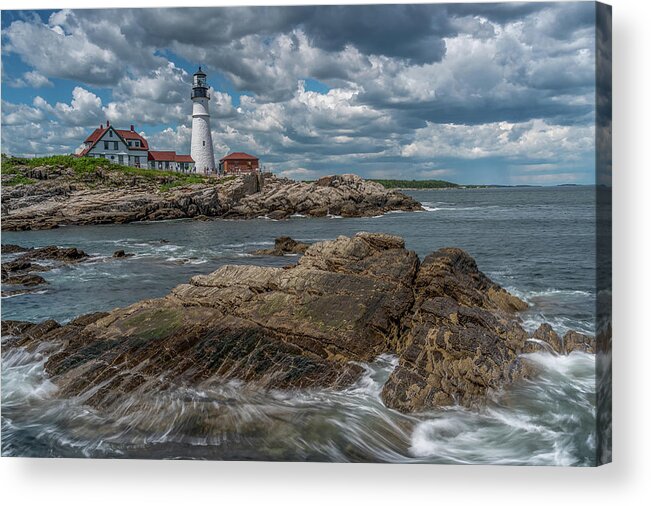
[
  {"x": 107, "y": 123},
  {"x": 132, "y": 128},
  {"x": 101, "y": 126}
]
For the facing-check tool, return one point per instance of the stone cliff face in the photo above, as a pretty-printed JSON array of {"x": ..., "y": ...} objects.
[
  {"x": 309, "y": 325},
  {"x": 59, "y": 197}
]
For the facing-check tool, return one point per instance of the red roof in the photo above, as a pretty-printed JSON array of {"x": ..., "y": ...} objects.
[
  {"x": 168, "y": 156},
  {"x": 239, "y": 156},
  {"x": 97, "y": 133},
  {"x": 131, "y": 135},
  {"x": 162, "y": 156}
]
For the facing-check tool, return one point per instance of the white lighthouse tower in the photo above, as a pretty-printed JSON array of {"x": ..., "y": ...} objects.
[{"x": 201, "y": 148}]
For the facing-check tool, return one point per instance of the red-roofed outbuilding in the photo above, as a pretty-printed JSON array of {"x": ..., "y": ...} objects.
[
  {"x": 169, "y": 160},
  {"x": 239, "y": 163}
]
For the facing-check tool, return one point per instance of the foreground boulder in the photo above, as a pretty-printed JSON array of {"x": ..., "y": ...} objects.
[
  {"x": 460, "y": 340},
  {"x": 346, "y": 301}
]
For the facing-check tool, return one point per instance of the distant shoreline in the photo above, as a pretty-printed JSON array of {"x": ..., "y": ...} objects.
[
  {"x": 437, "y": 184},
  {"x": 490, "y": 187}
]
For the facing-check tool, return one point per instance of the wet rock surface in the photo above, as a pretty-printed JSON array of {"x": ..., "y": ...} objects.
[
  {"x": 57, "y": 197},
  {"x": 20, "y": 271},
  {"x": 284, "y": 245},
  {"x": 344, "y": 302},
  {"x": 546, "y": 339},
  {"x": 460, "y": 340},
  {"x": 54, "y": 253},
  {"x": 8, "y": 249}
]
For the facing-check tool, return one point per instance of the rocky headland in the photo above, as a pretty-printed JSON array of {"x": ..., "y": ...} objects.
[
  {"x": 455, "y": 332},
  {"x": 84, "y": 192}
]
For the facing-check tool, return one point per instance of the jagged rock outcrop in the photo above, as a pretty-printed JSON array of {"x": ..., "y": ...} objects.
[
  {"x": 54, "y": 253},
  {"x": 284, "y": 245},
  {"x": 346, "y": 301},
  {"x": 20, "y": 271},
  {"x": 545, "y": 338},
  {"x": 346, "y": 195},
  {"x": 23, "y": 279},
  {"x": 460, "y": 340},
  {"x": 59, "y": 196},
  {"x": 9, "y": 249}
]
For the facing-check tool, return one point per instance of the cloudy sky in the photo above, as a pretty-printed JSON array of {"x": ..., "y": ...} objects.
[{"x": 472, "y": 93}]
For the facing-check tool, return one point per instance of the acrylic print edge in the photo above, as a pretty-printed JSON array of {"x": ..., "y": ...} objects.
[{"x": 603, "y": 164}]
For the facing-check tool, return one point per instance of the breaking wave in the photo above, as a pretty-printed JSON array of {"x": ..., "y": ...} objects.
[{"x": 535, "y": 422}]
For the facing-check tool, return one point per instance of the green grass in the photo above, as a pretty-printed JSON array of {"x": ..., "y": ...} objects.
[
  {"x": 80, "y": 165},
  {"x": 18, "y": 179},
  {"x": 83, "y": 166},
  {"x": 190, "y": 179}
]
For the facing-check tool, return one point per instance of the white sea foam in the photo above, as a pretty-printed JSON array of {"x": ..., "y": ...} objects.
[
  {"x": 185, "y": 260},
  {"x": 25, "y": 380},
  {"x": 250, "y": 243},
  {"x": 9, "y": 295},
  {"x": 556, "y": 292},
  {"x": 535, "y": 426},
  {"x": 561, "y": 324}
]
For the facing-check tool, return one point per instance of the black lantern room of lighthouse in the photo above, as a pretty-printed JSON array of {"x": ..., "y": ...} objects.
[{"x": 199, "y": 84}]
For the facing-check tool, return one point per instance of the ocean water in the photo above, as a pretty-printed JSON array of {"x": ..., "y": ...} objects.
[{"x": 539, "y": 243}]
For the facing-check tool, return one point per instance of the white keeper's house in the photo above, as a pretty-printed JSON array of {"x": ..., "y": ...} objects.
[{"x": 128, "y": 147}]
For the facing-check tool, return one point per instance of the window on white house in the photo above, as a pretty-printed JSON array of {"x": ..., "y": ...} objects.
[
  {"x": 110, "y": 133},
  {"x": 115, "y": 145},
  {"x": 204, "y": 143},
  {"x": 105, "y": 144}
]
